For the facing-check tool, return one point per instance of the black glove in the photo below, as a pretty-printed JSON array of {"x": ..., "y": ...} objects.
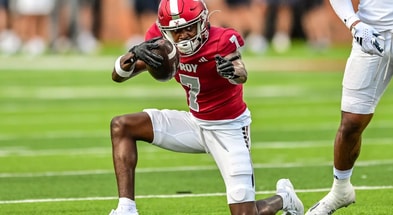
[
  {"x": 143, "y": 52},
  {"x": 225, "y": 67}
]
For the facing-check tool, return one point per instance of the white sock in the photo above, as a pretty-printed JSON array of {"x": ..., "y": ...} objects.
[
  {"x": 126, "y": 204},
  {"x": 342, "y": 174},
  {"x": 340, "y": 185}
]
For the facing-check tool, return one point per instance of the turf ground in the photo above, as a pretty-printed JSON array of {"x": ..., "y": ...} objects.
[{"x": 55, "y": 151}]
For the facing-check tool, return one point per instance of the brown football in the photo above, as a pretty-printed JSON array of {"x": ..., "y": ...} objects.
[{"x": 170, "y": 63}]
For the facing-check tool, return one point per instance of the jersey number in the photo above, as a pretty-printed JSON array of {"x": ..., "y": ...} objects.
[
  {"x": 233, "y": 39},
  {"x": 194, "y": 85}
]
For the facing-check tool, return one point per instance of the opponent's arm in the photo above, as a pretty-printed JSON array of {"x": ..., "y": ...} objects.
[
  {"x": 365, "y": 35},
  {"x": 344, "y": 10},
  {"x": 232, "y": 68},
  {"x": 135, "y": 61}
]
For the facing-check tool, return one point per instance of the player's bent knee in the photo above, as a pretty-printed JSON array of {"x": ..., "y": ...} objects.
[
  {"x": 116, "y": 125},
  {"x": 239, "y": 194}
]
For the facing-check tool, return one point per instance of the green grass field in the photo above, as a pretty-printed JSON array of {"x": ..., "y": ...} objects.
[{"x": 55, "y": 150}]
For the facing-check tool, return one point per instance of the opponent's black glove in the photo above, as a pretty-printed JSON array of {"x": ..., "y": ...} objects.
[
  {"x": 143, "y": 52},
  {"x": 225, "y": 67}
]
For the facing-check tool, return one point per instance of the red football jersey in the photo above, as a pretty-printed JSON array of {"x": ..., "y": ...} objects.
[{"x": 209, "y": 96}]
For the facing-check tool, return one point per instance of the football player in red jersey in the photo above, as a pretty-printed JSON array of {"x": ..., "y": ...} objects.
[{"x": 212, "y": 73}]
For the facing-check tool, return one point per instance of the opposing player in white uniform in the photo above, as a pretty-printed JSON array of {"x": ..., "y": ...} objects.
[
  {"x": 368, "y": 71},
  {"x": 212, "y": 74}
]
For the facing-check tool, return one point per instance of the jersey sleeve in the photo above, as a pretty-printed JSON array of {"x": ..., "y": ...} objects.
[
  {"x": 229, "y": 42},
  {"x": 153, "y": 32}
]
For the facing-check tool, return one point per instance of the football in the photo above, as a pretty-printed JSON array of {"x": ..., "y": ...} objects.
[{"x": 170, "y": 63}]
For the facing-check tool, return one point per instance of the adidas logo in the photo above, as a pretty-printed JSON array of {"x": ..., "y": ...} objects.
[{"x": 202, "y": 60}]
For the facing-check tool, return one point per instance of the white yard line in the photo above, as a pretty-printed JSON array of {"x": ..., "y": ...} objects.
[
  {"x": 173, "y": 91},
  {"x": 6, "y": 151},
  {"x": 105, "y": 63},
  {"x": 57, "y": 63},
  {"x": 74, "y": 92},
  {"x": 182, "y": 169},
  {"x": 178, "y": 195}
]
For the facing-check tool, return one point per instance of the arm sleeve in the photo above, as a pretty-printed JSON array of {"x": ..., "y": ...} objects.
[{"x": 344, "y": 10}]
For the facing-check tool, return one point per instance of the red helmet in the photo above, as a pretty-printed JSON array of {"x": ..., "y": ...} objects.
[{"x": 177, "y": 14}]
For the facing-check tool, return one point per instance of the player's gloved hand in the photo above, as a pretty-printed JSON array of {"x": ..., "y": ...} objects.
[
  {"x": 225, "y": 67},
  {"x": 368, "y": 37},
  {"x": 143, "y": 52}
]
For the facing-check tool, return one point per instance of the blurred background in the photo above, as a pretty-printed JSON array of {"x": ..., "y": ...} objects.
[
  {"x": 57, "y": 99},
  {"x": 90, "y": 26}
]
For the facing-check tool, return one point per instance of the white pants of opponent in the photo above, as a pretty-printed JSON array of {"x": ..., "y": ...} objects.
[
  {"x": 366, "y": 77},
  {"x": 228, "y": 141}
]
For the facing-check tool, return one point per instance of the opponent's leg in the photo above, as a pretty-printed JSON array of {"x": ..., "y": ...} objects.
[
  {"x": 346, "y": 151},
  {"x": 366, "y": 78},
  {"x": 348, "y": 139}
]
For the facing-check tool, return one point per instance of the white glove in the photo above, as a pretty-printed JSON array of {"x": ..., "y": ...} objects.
[{"x": 367, "y": 37}]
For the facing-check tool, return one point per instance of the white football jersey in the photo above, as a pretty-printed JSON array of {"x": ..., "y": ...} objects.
[{"x": 378, "y": 13}]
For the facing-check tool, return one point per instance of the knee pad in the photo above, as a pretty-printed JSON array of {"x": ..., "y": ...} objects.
[{"x": 240, "y": 193}]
